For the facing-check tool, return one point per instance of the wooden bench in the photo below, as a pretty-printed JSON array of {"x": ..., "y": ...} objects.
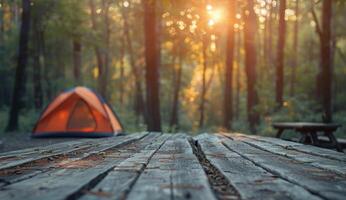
[
  {"x": 174, "y": 166},
  {"x": 309, "y": 132}
]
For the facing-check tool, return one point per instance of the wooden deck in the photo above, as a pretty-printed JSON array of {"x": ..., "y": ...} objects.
[{"x": 164, "y": 166}]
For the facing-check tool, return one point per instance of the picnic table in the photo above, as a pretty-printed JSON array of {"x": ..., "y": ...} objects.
[
  {"x": 173, "y": 166},
  {"x": 309, "y": 132}
]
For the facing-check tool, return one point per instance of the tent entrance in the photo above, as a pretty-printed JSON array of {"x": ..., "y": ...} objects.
[{"x": 81, "y": 118}]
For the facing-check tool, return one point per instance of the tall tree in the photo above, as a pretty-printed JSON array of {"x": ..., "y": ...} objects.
[
  {"x": 122, "y": 72},
  {"x": 204, "y": 80},
  {"x": 324, "y": 78},
  {"x": 106, "y": 57},
  {"x": 139, "y": 104},
  {"x": 326, "y": 60},
  {"x": 37, "y": 35},
  {"x": 280, "y": 54},
  {"x": 228, "y": 89},
  {"x": 2, "y": 22},
  {"x": 237, "y": 74},
  {"x": 270, "y": 34},
  {"x": 250, "y": 26},
  {"x": 152, "y": 70},
  {"x": 177, "y": 74},
  {"x": 99, "y": 57},
  {"x": 295, "y": 49},
  {"x": 19, "y": 84}
]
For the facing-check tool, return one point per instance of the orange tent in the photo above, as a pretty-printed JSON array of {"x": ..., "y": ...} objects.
[{"x": 78, "y": 112}]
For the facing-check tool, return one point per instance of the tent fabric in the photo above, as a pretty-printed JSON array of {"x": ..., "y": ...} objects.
[{"x": 78, "y": 112}]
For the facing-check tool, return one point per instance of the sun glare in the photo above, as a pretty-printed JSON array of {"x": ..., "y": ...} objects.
[{"x": 216, "y": 15}]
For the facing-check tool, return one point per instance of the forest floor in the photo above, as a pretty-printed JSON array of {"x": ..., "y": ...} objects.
[{"x": 16, "y": 141}]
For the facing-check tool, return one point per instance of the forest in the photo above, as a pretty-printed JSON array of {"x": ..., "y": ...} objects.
[{"x": 173, "y": 65}]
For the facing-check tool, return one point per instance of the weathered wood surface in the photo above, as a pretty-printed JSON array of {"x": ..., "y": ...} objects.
[
  {"x": 120, "y": 179},
  {"x": 308, "y": 149},
  {"x": 173, "y": 172},
  {"x": 20, "y": 157},
  {"x": 317, "y": 161},
  {"x": 323, "y": 183},
  {"x": 250, "y": 180},
  {"x": 174, "y": 166}
]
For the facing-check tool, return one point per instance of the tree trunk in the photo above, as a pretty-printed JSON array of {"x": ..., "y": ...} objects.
[
  {"x": 122, "y": 72},
  {"x": 19, "y": 83},
  {"x": 204, "y": 81},
  {"x": 37, "y": 67},
  {"x": 280, "y": 54},
  {"x": 326, "y": 61},
  {"x": 238, "y": 57},
  {"x": 270, "y": 37},
  {"x": 295, "y": 50},
  {"x": 106, "y": 57},
  {"x": 228, "y": 90},
  {"x": 174, "y": 121},
  {"x": 2, "y": 23},
  {"x": 139, "y": 104},
  {"x": 77, "y": 61},
  {"x": 152, "y": 72},
  {"x": 250, "y": 63},
  {"x": 98, "y": 53}
]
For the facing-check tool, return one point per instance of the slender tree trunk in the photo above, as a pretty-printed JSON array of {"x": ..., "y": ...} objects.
[
  {"x": 174, "y": 121},
  {"x": 77, "y": 61},
  {"x": 139, "y": 105},
  {"x": 228, "y": 89},
  {"x": 37, "y": 67},
  {"x": 3, "y": 86},
  {"x": 2, "y": 23},
  {"x": 326, "y": 61},
  {"x": 152, "y": 70},
  {"x": 280, "y": 54},
  {"x": 250, "y": 63},
  {"x": 98, "y": 53},
  {"x": 270, "y": 36},
  {"x": 265, "y": 42},
  {"x": 122, "y": 72},
  {"x": 204, "y": 81},
  {"x": 106, "y": 57},
  {"x": 238, "y": 57},
  {"x": 19, "y": 83},
  {"x": 295, "y": 50}
]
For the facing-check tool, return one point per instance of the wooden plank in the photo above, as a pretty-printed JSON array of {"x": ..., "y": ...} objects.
[
  {"x": 119, "y": 181},
  {"x": 326, "y": 184},
  {"x": 251, "y": 181},
  {"x": 326, "y": 153},
  {"x": 173, "y": 173},
  {"x": 189, "y": 180},
  {"x": 69, "y": 178},
  {"x": 32, "y": 169},
  {"x": 12, "y": 159},
  {"x": 317, "y": 161}
]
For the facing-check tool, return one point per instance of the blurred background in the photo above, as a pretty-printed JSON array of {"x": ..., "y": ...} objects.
[{"x": 223, "y": 64}]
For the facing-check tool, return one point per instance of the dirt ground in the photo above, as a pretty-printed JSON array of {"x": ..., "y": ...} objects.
[{"x": 16, "y": 141}]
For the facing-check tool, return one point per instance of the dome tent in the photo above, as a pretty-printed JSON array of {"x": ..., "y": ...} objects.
[{"x": 78, "y": 112}]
